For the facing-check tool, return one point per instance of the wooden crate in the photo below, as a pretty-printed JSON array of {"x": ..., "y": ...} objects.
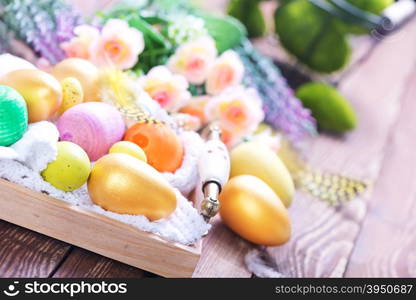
[{"x": 95, "y": 232}]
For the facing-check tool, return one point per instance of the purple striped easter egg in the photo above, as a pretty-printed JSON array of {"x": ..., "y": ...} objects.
[{"x": 94, "y": 126}]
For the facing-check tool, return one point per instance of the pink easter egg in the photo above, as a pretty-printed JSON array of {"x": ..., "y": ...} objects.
[{"x": 94, "y": 126}]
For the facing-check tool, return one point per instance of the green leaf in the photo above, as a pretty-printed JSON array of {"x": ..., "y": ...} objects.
[
  {"x": 311, "y": 34},
  {"x": 149, "y": 33},
  {"x": 226, "y": 31},
  {"x": 330, "y": 109}
]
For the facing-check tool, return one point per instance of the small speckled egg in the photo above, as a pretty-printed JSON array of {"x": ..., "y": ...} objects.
[
  {"x": 13, "y": 112},
  {"x": 83, "y": 70},
  {"x": 71, "y": 168},
  {"x": 72, "y": 94}
]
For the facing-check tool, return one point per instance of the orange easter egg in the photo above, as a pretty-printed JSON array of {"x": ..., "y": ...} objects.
[
  {"x": 41, "y": 91},
  {"x": 86, "y": 73},
  {"x": 162, "y": 146}
]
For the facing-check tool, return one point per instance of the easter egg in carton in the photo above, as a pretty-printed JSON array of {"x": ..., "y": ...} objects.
[
  {"x": 123, "y": 184},
  {"x": 161, "y": 144},
  {"x": 84, "y": 71},
  {"x": 41, "y": 91},
  {"x": 11, "y": 63},
  {"x": 71, "y": 168},
  {"x": 129, "y": 148},
  {"x": 95, "y": 126},
  {"x": 14, "y": 118}
]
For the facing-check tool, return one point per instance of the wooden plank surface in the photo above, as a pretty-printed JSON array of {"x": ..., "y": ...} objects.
[
  {"x": 222, "y": 254},
  {"x": 24, "y": 253},
  {"x": 323, "y": 238},
  {"x": 85, "y": 264},
  {"x": 390, "y": 224},
  {"x": 326, "y": 242}
]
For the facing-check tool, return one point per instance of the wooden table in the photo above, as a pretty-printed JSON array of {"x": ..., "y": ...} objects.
[{"x": 374, "y": 236}]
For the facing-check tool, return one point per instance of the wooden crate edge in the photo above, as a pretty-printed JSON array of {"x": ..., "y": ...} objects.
[{"x": 95, "y": 232}]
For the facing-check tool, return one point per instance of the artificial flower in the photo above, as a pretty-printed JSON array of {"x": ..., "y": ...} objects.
[
  {"x": 196, "y": 108},
  {"x": 118, "y": 45},
  {"x": 79, "y": 46},
  {"x": 194, "y": 59},
  {"x": 168, "y": 89},
  {"x": 238, "y": 111},
  {"x": 187, "y": 28},
  {"x": 227, "y": 71}
]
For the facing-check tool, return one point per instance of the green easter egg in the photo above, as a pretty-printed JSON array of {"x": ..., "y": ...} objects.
[
  {"x": 330, "y": 109},
  {"x": 13, "y": 116}
]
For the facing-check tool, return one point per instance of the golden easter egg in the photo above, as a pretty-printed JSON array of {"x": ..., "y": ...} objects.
[
  {"x": 123, "y": 184},
  {"x": 258, "y": 159},
  {"x": 86, "y": 73},
  {"x": 253, "y": 210},
  {"x": 129, "y": 148},
  {"x": 41, "y": 91}
]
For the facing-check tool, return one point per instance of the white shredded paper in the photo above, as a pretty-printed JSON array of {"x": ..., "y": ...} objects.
[
  {"x": 186, "y": 177},
  {"x": 23, "y": 163}
]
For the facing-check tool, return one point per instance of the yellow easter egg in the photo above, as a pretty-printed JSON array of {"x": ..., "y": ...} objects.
[
  {"x": 130, "y": 149},
  {"x": 86, "y": 73},
  {"x": 252, "y": 209},
  {"x": 257, "y": 159},
  {"x": 123, "y": 184},
  {"x": 41, "y": 91},
  {"x": 72, "y": 94},
  {"x": 71, "y": 168}
]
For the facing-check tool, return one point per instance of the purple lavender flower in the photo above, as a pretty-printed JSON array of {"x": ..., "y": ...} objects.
[
  {"x": 283, "y": 111},
  {"x": 42, "y": 24}
]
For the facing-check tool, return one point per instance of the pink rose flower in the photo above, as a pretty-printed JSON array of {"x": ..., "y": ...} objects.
[
  {"x": 118, "y": 45},
  {"x": 227, "y": 71},
  {"x": 168, "y": 89},
  {"x": 79, "y": 46},
  {"x": 194, "y": 59},
  {"x": 238, "y": 111}
]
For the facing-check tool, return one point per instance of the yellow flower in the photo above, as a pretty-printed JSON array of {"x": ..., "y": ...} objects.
[
  {"x": 169, "y": 90},
  {"x": 194, "y": 59},
  {"x": 227, "y": 71}
]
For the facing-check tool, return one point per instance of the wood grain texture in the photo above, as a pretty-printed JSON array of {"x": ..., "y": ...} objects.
[
  {"x": 81, "y": 263},
  {"x": 323, "y": 238},
  {"x": 390, "y": 224},
  {"x": 222, "y": 254},
  {"x": 24, "y": 253},
  {"x": 95, "y": 232}
]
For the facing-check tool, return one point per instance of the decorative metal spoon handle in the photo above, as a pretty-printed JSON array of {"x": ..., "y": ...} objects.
[{"x": 214, "y": 170}]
